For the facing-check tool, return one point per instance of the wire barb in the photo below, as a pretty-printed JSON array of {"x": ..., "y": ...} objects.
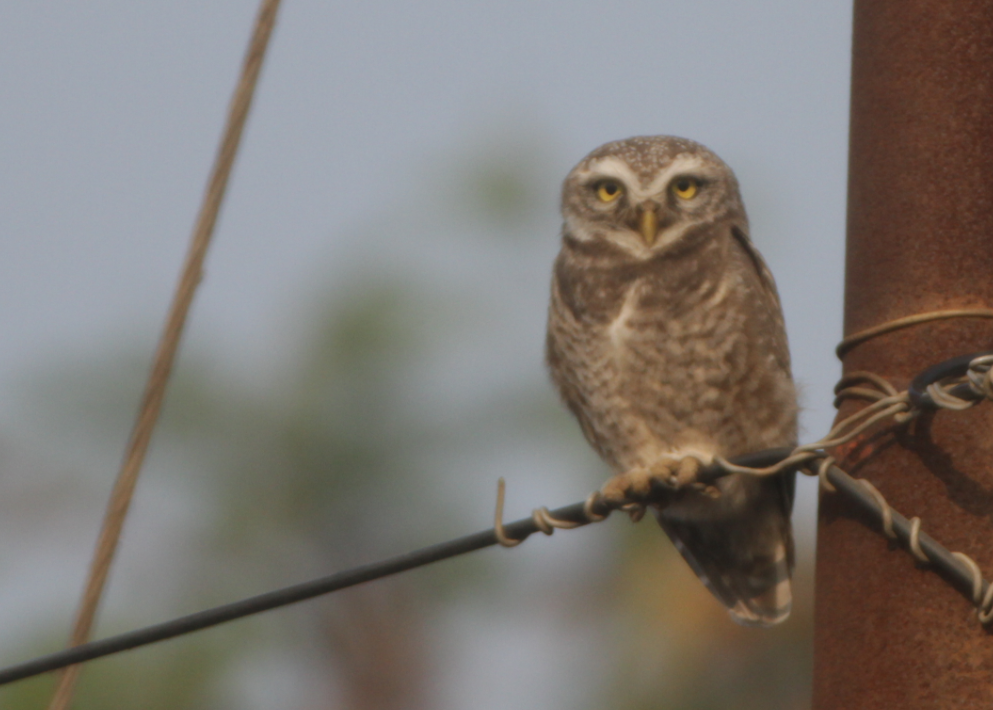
[
  {"x": 983, "y": 602},
  {"x": 915, "y": 541},
  {"x": 543, "y": 519},
  {"x": 588, "y": 508},
  {"x": 498, "y": 529},
  {"x": 886, "y": 512},
  {"x": 822, "y": 471},
  {"x": 547, "y": 523},
  {"x": 980, "y": 376}
]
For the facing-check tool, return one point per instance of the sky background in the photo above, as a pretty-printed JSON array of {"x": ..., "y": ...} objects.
[
  {"x": 112, "y": 112},
  {"x": 367, "y": 122}
]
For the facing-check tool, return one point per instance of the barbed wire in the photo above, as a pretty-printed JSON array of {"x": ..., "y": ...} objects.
[{"x": 955, "y": 384}]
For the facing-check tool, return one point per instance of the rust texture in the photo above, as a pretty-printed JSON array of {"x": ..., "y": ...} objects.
[{"x": 890, "y": 634}]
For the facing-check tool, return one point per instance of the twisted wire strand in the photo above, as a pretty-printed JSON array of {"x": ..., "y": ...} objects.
[
  {"x": 853, "y": 378},
  {"x": 822, "y": 474},
  {"x": 985, "y": 608},
  {"x": 884, "y": 507},
  {"x": 915, "y": 540},
  {"x": 977, "y": 576},
  {"x": 928, "y": 554},
  {"x": 543, "y": 518},
  {"x": 588, "y": 508},
  {"x": 983, "y": 602},
  {"x": 961, "y": 568},
  {"x": 942, "y": 395},
  {"x": 889, "y": 405},
  {"x": 980, "y": 376}
]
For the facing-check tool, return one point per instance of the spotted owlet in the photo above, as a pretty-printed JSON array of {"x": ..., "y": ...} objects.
[{"x": 666, "y": 340}]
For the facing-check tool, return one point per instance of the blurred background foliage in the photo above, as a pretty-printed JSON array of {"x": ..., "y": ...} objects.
[{"x": 400, "y": 402}]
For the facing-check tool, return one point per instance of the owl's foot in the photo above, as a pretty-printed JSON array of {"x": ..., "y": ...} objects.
[
  {"x": 681, "y": 474},
  {"x": 632, "y": 486},
  {"x": 630, "y": 490}
]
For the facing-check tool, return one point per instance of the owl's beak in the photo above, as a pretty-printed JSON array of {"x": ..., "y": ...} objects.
[{"x": 648, "y": 224}]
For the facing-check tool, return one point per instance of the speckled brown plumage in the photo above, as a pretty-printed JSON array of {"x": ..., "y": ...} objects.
[{"x": 666, "y": 339}]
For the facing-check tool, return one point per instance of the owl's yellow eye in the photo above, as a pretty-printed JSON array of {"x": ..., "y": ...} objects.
[
  {"x": 608, "y": 191},
  {"x": 685, "y": 187}
]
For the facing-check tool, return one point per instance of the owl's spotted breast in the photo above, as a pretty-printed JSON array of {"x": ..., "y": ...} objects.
[
  {"x": 595, "y": 290},
  {"x": 666, "y": 354}
]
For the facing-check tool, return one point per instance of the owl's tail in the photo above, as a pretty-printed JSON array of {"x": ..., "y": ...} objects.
[{"x": 740, "y": 545}]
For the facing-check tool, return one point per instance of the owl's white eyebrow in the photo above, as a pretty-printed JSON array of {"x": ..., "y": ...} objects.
[
  {"x": 682, "y": 164},
  {"x": 612, "y": 167}
]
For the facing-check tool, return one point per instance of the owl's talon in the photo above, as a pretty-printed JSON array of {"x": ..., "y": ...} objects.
[
  {"x": 676, "y": 474},
  {"x": 630, "y": 490},
  {"x": 635, "y": 510},
  {"x": 709, "y": 491}
]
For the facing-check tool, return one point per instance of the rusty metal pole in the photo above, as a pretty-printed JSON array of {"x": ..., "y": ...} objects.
[{"x": 920, "y": 238}]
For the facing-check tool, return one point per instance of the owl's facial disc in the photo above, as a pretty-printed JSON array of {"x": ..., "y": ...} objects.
[{"x": 643, "y": 211}]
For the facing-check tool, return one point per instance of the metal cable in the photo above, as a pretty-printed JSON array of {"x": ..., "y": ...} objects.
[{"x": 575, "y": 515}]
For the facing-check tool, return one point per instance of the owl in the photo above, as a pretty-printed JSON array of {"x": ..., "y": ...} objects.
[{"x": 666, "y": 341}]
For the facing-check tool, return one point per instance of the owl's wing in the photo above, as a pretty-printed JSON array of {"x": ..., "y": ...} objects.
[
  {"x": 768, "y": 292},
  {"x": 777, "y": 331},
  {"x": 765, "y": 276}
]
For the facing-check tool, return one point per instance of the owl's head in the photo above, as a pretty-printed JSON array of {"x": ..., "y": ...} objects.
[{"x": 650, "y": 194}]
